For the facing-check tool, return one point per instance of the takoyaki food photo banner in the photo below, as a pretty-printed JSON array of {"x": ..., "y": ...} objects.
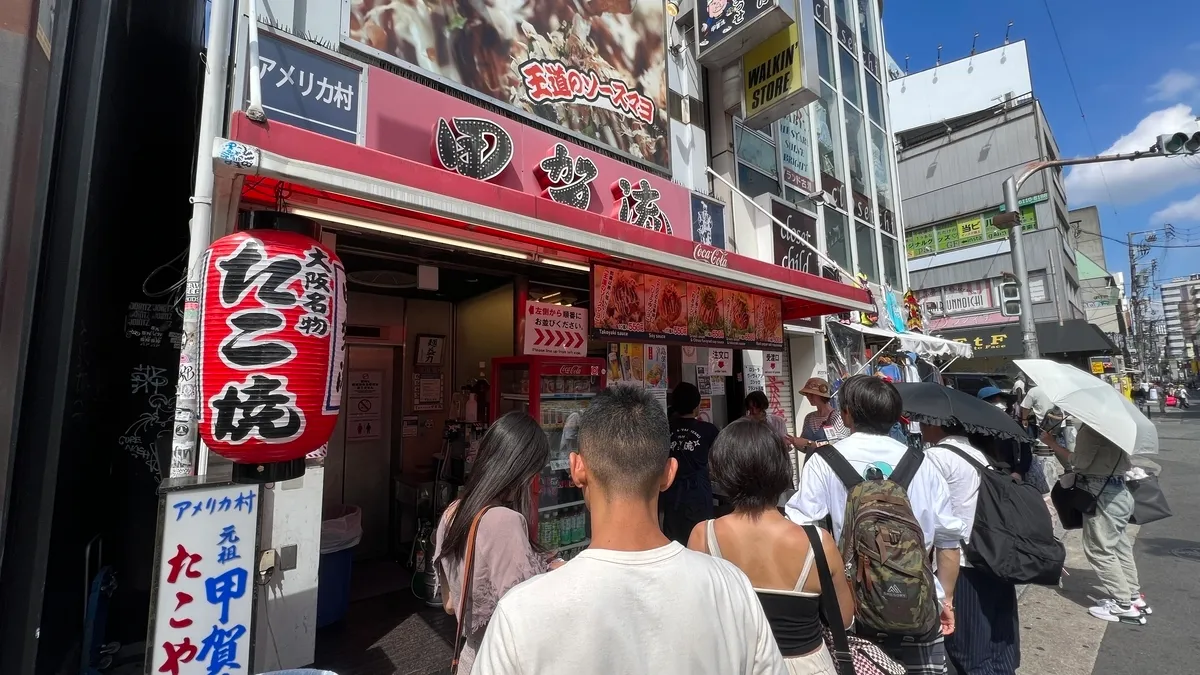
[{"x": 632, "y": 305}]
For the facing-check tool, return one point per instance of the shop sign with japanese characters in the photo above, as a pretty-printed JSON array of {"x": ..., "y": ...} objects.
[
  {"x": 309, "y": 90},
  {"x": 555, "y": 330},
  {"x": 596, "y": 69},
  {"x": 204, "y": 592}
]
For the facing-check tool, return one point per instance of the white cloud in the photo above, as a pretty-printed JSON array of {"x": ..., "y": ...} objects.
[
  {"x": 1173, "y": 85},
  {"x": 1184, "y": 211},
  {"x": 1135, "y": 182}
]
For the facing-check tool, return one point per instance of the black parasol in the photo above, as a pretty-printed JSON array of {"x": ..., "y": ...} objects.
[{"x": 934, "y": 404}]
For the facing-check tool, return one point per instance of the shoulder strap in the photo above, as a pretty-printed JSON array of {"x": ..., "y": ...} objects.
[
  {"x": 907, "y": 468},
  {"x": 840, "y": 465},
  {"x": 967, "y": 458},
  {"x": 710, "y": 536},
  {"x": 829, "y": 604},
  {"x": 464, "y": 595}
]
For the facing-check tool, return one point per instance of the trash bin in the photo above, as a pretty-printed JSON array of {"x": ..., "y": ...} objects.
[{"x": 341, "y": 530}]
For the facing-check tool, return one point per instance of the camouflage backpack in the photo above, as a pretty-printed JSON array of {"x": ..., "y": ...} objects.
[{"x": 884, "y": 549}]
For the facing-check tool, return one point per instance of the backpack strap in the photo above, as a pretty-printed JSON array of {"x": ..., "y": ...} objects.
[
  {"x": 907, "y": 468},
  {"x": 967, "y": 458},
  {"x": 840, "y": 465}
]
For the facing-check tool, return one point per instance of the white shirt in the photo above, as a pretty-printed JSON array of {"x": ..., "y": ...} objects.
[
  {"x": 1037, "y": 401},
  {"x": 961, "y": 479},
  {"x": 823, "y": 494},
  {"x": 1153, "y": 393},
  {"x": 668, "y": 610}
]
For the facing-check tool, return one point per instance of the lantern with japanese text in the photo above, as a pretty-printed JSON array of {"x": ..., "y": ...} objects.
[{"x": 272, "y": 346}]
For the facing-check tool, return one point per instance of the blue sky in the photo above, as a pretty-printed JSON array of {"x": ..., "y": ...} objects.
[{"x": 1137, "y": 74}]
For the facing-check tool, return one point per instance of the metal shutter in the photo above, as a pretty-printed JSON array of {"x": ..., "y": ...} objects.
[{"x": 779, "y": 394}]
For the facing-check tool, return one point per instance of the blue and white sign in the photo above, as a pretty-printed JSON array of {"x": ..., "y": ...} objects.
[
  {"x": 708, "y": 221},
  {"x": 204, "y": 595},
  {"x": 306, "y": 89}
]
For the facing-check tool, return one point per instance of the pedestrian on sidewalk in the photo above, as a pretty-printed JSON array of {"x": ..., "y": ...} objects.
[
  {"x": 987, "y": 635},
  {"x": 1100, "y": 468},
  {"x": 750, "y": 464},
  {"x": 689, "y": 500},
  {"x": 634, "y": 601},
  {"x": 870, "y": 408}
]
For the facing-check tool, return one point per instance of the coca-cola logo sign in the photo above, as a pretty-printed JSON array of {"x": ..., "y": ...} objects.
[
  {"x": 570, "y": 370},
  {"x": 717, "y": 257}
]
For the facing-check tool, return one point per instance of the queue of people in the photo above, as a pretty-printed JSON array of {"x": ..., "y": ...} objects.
[{"x": 665, "y": 587}]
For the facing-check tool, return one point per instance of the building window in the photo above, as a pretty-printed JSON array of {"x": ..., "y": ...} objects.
[
  {"x": 874, "y": 101},
  {"x": 842, "y": 8},
  {"x": 837, "y": 237},
  {"x": 850, "y": 78},
  {"x": 891, "y": 261},
  {"x": 756, "y": 149},
  {"x": 869, "y": 36},
  {"x": 825, "y": 56},
  {"x": 857, "y": 142},
  {"x": 882, "y": 168},
  {"x": 1037, "y": 288},
  {"x": 754, "y": 182},
  {"x": 864, "y": 235},
  {"x": 829, "y": 133}
]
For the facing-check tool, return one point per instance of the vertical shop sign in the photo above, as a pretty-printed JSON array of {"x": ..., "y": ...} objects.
[
  {"x": 708, "y": 221},
  {"x": 205, "y": 589},
  {"x": 797, "y": 152},
  {"x": 555, "y": 330},
  {"x": 309, "y": 90},
  {"x": 754, "y": 377},
  {"x": 790, "y": 251}
]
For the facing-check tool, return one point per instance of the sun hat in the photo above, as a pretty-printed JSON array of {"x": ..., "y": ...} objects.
[
  {"x": 817, "y": 387},
  {"x": 988, "y": 392}
]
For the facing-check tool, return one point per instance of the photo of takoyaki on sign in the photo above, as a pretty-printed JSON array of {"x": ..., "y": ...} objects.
[
  {"x": 706, "y": 316},
  {"x": 739, "y": 317}
]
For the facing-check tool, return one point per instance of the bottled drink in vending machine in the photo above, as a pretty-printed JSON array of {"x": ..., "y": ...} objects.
[{"x": 554, "y": 529}]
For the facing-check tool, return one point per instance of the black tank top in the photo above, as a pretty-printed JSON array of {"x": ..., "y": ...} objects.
[{"x": 794, "y": 616}]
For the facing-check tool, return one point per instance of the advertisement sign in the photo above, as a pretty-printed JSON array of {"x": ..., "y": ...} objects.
[
  {"x": 309, "y": 90},
  {"x": 655, "y": 373},
  {"x": 977, "y": 296},
  {"x": 797, "y": 152},
  {"x": 629, "y": 305},
  {"x": 967, "y": 231},
  {"x": 708, "y": 221},
  {"x": 775, "y": 80},
  {"x": 788, "y": 249},
  {"x": 718, "y": 19},
  {"x": 555, "y": 330},
  {"x": 596, "y": 69},
  {"x": 204, "y": 596},
  {"x": 990, "y": 340}
]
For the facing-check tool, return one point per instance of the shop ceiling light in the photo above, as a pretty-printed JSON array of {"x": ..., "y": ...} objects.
[
  {"x": 405, "y": 232},
  {"x": 566, "y": 265}
]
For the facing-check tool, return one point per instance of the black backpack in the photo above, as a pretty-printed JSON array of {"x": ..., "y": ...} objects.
[{"x": 1013, "y": 536}]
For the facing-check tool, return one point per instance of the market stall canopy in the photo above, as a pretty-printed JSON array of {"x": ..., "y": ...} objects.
[
  {"x": 926, "y": 346},
  {"x": 354, "y": 184}
]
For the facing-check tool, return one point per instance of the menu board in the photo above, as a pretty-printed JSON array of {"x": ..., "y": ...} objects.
[{"x": 630, "y": 305}]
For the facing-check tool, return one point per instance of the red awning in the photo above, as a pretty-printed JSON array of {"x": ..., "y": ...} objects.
[{"x": 333, "y": 171}]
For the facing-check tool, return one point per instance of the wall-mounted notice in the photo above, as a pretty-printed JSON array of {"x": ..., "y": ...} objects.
[
  {"x": 720, "y": 361},
  {"x": 364, "y": 412},
  {"x": 555, "y": 330},
  {"x": 773, "y": 363},
  {"x": 655, "y": 370},
  {"x": 703, "y": 381}
]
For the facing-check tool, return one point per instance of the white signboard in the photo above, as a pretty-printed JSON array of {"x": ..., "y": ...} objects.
[
  {"x": 720, "y": 361},
  {"x": 797, "y": 154},
  {"x": 205, "y": 592},
  {"x": 773, "y": 363},
  {"x": 754, "y": 378},
  {"x": 703, "y": 381},
  {"x": 364, "y": 418},
  {"x": 555, "y": 330},
  {"x": 976, "y": 296}
]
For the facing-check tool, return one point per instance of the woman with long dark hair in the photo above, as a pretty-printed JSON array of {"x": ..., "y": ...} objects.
[{"x": 513, "y": 451}]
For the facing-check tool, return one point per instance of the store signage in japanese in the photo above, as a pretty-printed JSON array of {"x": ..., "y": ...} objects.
[
  {"x": 968, "y": 230},
  {"x": 472, "y": 147},
  {"x": 797, "y": 152},
  {"x": 708, "y": 221},
  {"x": 773, "y": 363},
  {"x": 309, "y": 90},
  {"x": 630, "y": 304},
  {"x": 720, "y": 361},
  {"x": 636, "y": 203},
  {"x": 595, "y": 69},
  {"x": 555, "y": 330},
  {"x": 789, "y": 244},
  {"x": 776, "y": 79},
  {"x": 566, "y": 180},
  {"x": 205, "y": 581}
]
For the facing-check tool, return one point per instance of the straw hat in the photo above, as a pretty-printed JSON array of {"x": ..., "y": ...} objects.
[{"x": 817, "y": 387}]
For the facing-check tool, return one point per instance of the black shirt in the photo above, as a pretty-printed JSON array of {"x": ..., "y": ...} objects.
[{"x": 691, "y": 439}]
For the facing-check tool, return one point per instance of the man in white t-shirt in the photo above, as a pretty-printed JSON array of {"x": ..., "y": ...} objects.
[
  {"x": 987, "y": 636},
  {"x": 634, "y": 601}
]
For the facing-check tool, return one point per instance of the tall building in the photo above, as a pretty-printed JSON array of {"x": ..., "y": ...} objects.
[
  {"x": 1181, "y": 324},
  {"x": 962, "y": 128}
]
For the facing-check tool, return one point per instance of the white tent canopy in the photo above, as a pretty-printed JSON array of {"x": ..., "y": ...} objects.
[{"x": 925, "y": 346}]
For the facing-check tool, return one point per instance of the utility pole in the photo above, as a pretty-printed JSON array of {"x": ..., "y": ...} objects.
[{"x": 1169, "y": 145}]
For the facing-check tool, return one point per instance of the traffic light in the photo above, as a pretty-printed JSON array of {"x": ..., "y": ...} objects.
[
  {"x": 1010, "y": 298},
  {"x": 1179, "y": 143}
]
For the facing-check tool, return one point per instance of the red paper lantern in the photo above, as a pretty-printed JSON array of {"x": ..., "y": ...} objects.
[{"x": 272, "y": 347}]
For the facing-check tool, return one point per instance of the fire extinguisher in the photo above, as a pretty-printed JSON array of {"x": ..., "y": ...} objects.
[{"x": 424, "y": 577}]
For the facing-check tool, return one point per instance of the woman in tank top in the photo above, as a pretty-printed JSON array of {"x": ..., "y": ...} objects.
[{"x": 750, "y": 463}]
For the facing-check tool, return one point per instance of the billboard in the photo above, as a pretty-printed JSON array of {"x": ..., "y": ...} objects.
[{"x": 596, "y": 69}]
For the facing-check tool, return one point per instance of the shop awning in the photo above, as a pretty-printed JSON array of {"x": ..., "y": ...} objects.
[
  {"x": 926, "y": 346},
  {"x": 335, "y": 172},
  {"x": 1074, "y": 336}
]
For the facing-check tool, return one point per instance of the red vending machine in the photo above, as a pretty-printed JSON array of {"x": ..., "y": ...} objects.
[{"x": 554, "y": 390}]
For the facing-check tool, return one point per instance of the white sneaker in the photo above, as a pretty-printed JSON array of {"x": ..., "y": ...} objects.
[
  {"x": 1109, "y": 610},
  {"x": 1141, "y": 605}
]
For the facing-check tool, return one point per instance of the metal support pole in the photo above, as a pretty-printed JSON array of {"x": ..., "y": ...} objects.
[{"x": 1028, "y": 329}]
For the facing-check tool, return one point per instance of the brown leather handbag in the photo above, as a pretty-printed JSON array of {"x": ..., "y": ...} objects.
[{"x": 464, "y": 595}]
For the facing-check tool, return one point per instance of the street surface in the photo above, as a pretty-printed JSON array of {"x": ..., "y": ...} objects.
[{"x": 1059, "y": 637}]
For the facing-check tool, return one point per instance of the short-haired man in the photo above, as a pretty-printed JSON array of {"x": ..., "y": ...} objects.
[
  {"x": 870, "y": 408},
  {"x": 634, "y": 601},
  {"x": 987, "y": 637}
]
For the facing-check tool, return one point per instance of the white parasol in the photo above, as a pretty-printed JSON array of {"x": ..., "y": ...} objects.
[{"x": 1094, "y": 402}]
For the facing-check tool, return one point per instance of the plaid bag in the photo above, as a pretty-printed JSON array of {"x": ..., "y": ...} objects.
[{"x": 852, "y": 655}]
